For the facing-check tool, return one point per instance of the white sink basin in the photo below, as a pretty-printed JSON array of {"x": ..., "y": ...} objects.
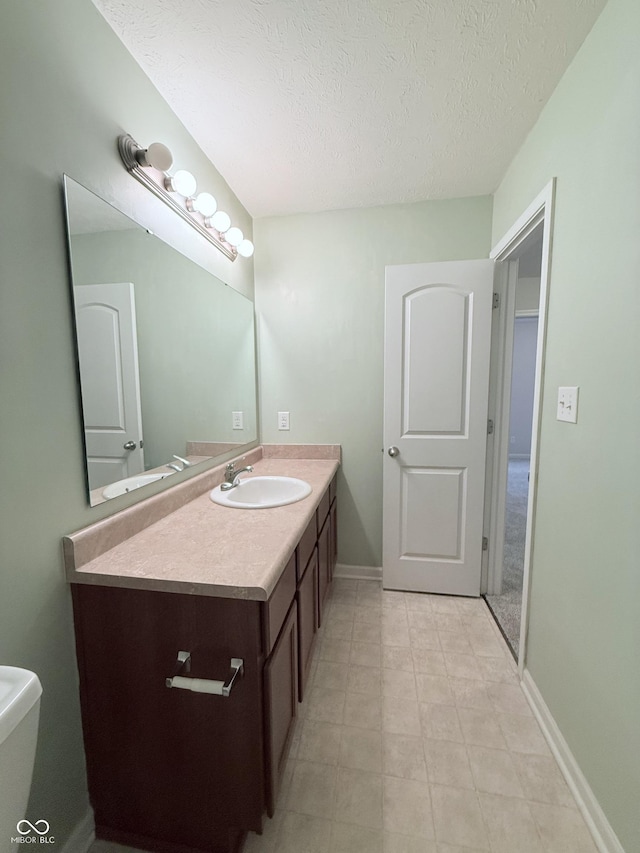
[
  {"x": 262, "y": 492},
  {"x": 131, "y": 483},
  {"x": 20, "y": 689}
]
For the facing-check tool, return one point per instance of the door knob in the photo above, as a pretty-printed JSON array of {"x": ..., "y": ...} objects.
[
  {"x": 393, "y": 451},
  {"x": 129, "y": 445}
]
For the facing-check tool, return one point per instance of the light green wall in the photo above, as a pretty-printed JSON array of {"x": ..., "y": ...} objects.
[
  {"x": 320, "y": 307},
  {"x": 584, "y": 636},
  {"x": 67, "y": 89}
]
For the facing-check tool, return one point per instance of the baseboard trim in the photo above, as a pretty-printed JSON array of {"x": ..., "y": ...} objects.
[
  {"x": 82, "y": 836},
  {"x": 358, "y": 572},
  {"x": 603, "y": 834}
]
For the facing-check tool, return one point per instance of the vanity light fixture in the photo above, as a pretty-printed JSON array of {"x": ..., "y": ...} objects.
[
  {"x": 220, "y": 220},
  {"x": 182, "y": 183},
  {"x": 151, "y": 166},
  {"x": 156, "y": 155},
  {"x": 245, "y": 249},
  {"x": 204, "y": 203},
  {"x": 234, "y": 236}
]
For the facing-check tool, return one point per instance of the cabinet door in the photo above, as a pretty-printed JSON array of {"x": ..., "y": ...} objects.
[
  {"x": 307, "y": 599},
  {"x": 333, "y": 537},
  {"x": 167, "y": 766},
  {"x": 281, "y": 700},
  {"x": 324, "y": 572}
]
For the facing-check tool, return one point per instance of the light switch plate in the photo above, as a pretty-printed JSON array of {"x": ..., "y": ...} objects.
[
  {"x": 568, "y": 404},
  {"x": 237, "y": 419},
  {"x": 283, "y": 420}
]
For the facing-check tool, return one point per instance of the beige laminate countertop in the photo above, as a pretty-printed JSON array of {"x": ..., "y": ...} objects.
[{"x": 206, "y": 549}]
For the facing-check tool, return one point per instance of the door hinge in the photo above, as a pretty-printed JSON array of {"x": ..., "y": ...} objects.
[
  {"x": 485, "y": 543},
  {"x": 496, "y": 300},
  {"x": 489, "y": 427}
]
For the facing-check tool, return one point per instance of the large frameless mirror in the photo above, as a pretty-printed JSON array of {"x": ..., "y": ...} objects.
[{"x": 166, "y": 352}]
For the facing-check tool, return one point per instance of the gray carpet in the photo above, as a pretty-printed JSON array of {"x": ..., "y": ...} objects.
[{"x": 507, "y": 607}]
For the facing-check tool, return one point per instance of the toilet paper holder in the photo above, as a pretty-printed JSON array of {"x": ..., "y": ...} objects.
[{"x": 204, "y": 685}]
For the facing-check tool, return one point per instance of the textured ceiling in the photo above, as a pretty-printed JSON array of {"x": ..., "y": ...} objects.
[{"x": 307, "y": 106}]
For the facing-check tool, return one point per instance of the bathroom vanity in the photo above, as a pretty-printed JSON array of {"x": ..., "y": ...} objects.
[{"x": 182, "y": 598}]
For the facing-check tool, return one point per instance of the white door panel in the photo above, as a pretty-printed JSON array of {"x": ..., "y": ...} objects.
[
  {"x": 437, "y": 347},
  {"x": 437, "y": 534},
  {"x": 435, "y": 320}
]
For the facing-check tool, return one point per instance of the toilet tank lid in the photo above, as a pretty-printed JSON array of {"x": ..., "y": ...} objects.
[{"x": 20, "y": 689}]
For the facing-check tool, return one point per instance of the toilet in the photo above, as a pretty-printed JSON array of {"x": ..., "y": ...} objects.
[{"x": 20, "y": 692}]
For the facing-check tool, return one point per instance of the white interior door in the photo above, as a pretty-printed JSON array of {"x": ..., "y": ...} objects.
[
  {"x": 108, "y": 354},
  {"x": 437, "y": 349}
]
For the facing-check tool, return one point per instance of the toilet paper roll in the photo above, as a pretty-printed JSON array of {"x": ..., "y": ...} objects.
[{"x": 197, "y": 685}]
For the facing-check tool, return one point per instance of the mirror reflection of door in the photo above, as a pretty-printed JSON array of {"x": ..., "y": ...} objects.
[{"x": 108, "y": 354}]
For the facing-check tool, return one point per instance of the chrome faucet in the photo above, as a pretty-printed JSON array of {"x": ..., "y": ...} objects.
[
  {"x": 232, "y": 475},
  {"x": 175, "y": 466}
]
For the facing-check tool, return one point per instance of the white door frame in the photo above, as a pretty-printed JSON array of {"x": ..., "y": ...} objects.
[{"x": 539, "y": 211}]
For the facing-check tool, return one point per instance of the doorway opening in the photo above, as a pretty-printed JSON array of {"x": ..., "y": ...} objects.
[
  {"x": 505, "y": 602},
  {"x": 517, "y": 359},
  {"x": 448, "y": 373}
]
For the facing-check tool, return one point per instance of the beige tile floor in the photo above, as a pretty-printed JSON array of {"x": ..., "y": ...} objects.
[{"x": 415, "y": 737}]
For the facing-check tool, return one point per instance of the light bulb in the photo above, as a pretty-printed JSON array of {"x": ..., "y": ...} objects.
[
  {"x": 205, "y": 204},
  {"x": 157, "y": 156},
  {"x": 182, "y": 183},
  {"x": 220, "y": 221},
  {"x": 234, "y": 236},
  {"x": 245, "y": 248}
]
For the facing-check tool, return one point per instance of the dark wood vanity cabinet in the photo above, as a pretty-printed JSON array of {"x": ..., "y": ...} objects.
[
  {"x": 170, "y": 769},
  {"x": 179, "y": 771}
]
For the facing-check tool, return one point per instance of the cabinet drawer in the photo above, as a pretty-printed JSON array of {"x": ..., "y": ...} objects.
[
  {"x": 277, "y": 607},
  {"x": 323, "y": 510},
  {"x": 306, "y": 545}
]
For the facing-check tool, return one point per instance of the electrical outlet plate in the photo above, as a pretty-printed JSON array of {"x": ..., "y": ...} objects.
[
  {"x": 237, "y": 420},
  {"x": 283, "y": 420},
  {"x": 568, "y": 404}
]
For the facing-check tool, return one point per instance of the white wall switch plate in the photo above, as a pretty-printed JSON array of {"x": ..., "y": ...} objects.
[
  {"x": 237, "y": 419},
  {"x": 283, "y": 420},
  {"x": 568, "y": 404}
]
